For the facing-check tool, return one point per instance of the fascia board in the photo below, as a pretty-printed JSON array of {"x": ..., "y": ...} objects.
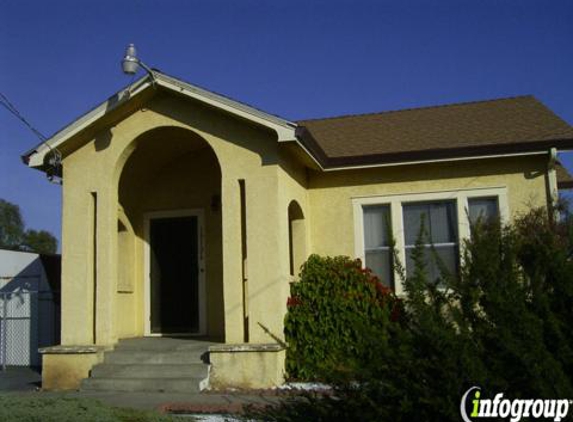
[
  {"x": 37, "y": 155},
  {"x": 285, "y": 130},
  {"x": 437, "y": 160}
]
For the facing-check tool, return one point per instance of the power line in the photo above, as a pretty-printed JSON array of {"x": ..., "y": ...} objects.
[
  {"x": 12, "y": 109},
  {"x": 53, "y": 170}
]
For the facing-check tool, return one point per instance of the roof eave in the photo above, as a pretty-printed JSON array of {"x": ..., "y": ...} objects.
[
  {"x": 567, "y": 185},
  {"x": 36, "y": 156},
  {"x": 284, "y": 129},
  {"x": 327, "y": 163}
]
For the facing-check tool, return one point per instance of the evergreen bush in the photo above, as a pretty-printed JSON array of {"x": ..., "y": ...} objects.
[{"x": 504, "y": 323}]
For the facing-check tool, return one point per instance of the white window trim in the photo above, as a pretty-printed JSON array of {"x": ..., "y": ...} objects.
[{"x": 395, "y": 202}]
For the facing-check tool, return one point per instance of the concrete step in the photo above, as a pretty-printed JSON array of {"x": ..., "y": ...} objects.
[
  {"x": 192, "y": 370},
  {"x": 152, "y": 364},
  {"x": 151, "y": 357},
  {"x": 168, "y": 385},
  {"x": 166, "y": 344}
]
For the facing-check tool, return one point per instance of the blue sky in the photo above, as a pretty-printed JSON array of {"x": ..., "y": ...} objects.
[{"x": 297, "y": 59}]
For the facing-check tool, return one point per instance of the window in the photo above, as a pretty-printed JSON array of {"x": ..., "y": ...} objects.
[
  {"x": 377, "y": 253},
  {"x": 447, "y": 217},
  {"x": 439, "y": 235},
  {"x": 483, "y": 209}
]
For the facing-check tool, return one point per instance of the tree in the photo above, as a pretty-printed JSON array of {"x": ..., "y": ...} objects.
[
  {"x": 40, "y": 242},
  {"x": 11, "y": 226},
  {"x": 14, "y": 236}
]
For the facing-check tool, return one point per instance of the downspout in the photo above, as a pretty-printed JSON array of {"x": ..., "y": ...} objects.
[{"x": 552, "y": 190}]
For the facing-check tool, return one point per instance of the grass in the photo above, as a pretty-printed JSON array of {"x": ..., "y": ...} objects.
[{"x": 40, "y": 409}]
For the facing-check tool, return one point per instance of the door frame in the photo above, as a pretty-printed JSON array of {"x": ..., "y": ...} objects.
[{"x": 147, "y": 217}]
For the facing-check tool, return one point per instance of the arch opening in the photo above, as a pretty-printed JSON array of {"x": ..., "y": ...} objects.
[
  {"x": 297, "y": 237},
  {"x": 169, "y": 237}
]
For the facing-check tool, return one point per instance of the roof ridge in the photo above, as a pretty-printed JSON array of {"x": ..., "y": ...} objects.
[
  {"x": 462, "y": 103},
  {"x": 170, "y": 83},
  {"x": 217, "y": 93}
]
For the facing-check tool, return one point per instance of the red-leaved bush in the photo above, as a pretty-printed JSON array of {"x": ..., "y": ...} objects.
[{"x": 329, "y": 308}]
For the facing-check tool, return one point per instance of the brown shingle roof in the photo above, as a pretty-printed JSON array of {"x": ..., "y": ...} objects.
[{"x": 477, "y": 128}]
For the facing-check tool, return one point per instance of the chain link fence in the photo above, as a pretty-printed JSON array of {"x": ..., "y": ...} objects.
[{"x": 28, "y": 320}]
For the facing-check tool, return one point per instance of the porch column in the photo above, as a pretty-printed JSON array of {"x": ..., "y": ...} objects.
[
  {"x": 267, "y": 242},
  {"x": 106, "y": 264},
  {"x": 232, "y": 265},
  {"x": 77, "y": 270}
]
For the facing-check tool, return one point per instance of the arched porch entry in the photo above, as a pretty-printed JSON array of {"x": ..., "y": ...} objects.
[{"x": 170, "y": 279}]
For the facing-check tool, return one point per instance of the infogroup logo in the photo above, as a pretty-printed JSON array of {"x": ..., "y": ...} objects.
[{"x": 516, "y": 409}]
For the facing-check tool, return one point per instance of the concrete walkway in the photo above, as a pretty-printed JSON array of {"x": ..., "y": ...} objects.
[
  {"x": 23, "y": 381},
  {"x": 209, "y": 402},
  {"x": 228, "y": 403}
]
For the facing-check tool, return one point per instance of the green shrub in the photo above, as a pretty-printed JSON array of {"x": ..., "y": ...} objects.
[
  {"x": 42, "y": 409},
  {"x": 334, "y": 299},
  {"x": 503, "y": 323}
]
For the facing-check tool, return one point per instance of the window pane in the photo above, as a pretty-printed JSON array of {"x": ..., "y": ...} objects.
[
  {"x": 448, "y": 257},
  {"x": 376, "y": 225},
  {"x": 440, "y": 222},
  {"x": 483, "y": 208},
  {"x": 377, "y": 241},
  {"x": 381, "y": 264},
  {"x": 413, "y": 215},
  {"x": 434, "y": 258}
]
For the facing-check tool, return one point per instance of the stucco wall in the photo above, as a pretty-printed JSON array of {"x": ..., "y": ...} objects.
[
  {"x": 331, "y": 194},
  {"x": 246, "y": 366},
  {"x": 292, "y": 186},
  {"x": 243, "y": 152}
]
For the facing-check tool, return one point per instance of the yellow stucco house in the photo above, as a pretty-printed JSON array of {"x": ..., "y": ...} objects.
[{"x": 187, "y": 214}]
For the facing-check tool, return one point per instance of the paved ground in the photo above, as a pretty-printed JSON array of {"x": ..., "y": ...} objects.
[
  {"x": 17, "y": 378},
  {"x": 169, "y": 401},
  {"x": 205, "y": 407},
  {"x": 26, "y": 382}
]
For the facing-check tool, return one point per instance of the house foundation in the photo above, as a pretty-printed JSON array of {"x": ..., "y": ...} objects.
[
  {"x": 248, "y": 366},
  {"x": 64, "y": 367}
]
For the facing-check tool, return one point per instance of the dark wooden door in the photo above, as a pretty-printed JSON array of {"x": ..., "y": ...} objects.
[{"x": 174, "y": 275}]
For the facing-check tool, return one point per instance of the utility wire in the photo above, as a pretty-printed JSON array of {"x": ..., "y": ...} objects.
[
  {"x": 12, "y": 109},
  {"x": 55, "y": 161}
]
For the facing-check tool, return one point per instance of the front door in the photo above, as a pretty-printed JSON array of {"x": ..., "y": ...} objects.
[{"x": 174, "y": 275}]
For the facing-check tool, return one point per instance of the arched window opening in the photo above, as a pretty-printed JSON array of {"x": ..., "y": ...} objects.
[{"x": 297, "y": 237}]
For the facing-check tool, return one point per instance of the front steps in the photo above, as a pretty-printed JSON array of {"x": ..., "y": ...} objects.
[{"x": 152, "y": 364}]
